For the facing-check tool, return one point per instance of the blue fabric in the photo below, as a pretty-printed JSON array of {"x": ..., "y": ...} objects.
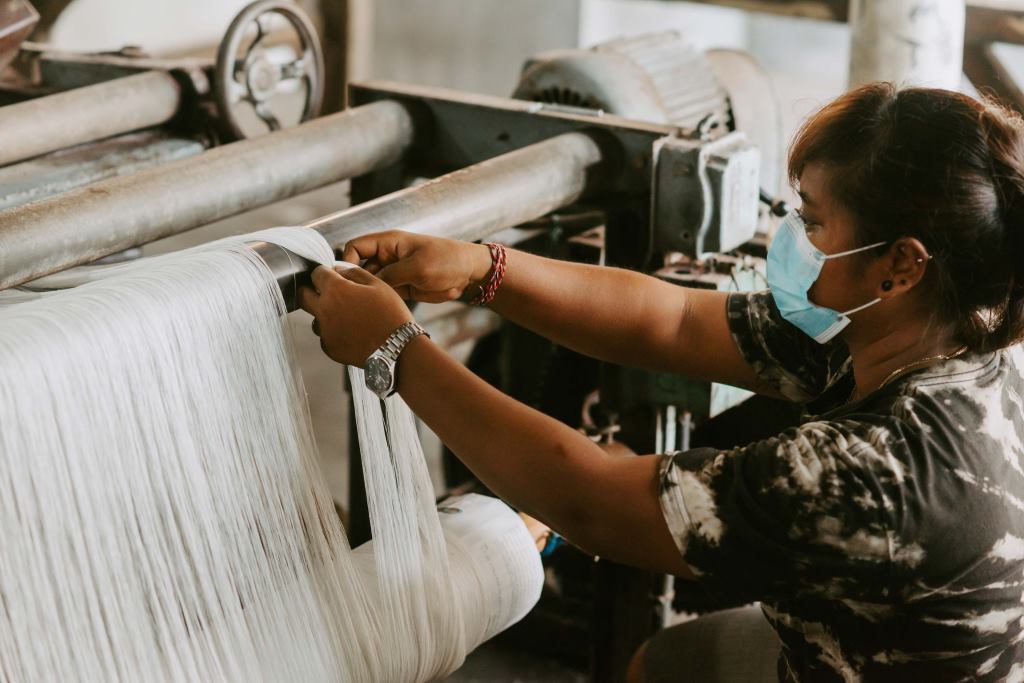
[{"x": 553, "y": 542}]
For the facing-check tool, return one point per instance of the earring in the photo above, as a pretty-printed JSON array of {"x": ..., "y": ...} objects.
[{"x": 887, "y": 285}]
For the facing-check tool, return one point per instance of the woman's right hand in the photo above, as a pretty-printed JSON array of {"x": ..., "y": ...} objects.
[{"x": 421, "y": 267}]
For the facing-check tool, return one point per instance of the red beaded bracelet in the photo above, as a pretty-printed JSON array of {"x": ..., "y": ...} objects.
[{"x": 490, "y": 288}]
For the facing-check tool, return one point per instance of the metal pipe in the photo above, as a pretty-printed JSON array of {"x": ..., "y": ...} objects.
[
  {"x": 108, "y": 216},
  {"x": 468, "y": 204},
  {"x": 93, "y": 112}
]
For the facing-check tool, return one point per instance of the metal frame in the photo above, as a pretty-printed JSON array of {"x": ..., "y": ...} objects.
[{"x": 456, "y": 129}]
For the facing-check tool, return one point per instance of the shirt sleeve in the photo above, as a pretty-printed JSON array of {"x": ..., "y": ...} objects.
[
  {"x": 801, "y": 515},
  {"x": 784, "y": 357}
]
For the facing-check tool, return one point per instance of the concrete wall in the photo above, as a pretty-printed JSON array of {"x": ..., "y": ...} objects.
[
  {"x": 706, "y": 27},
  {"x": 159, "y": 26},
  {"x": 475, "y": 45}
]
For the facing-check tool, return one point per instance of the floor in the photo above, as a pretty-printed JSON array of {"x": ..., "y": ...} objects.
[{"x": 490, "y": 663}]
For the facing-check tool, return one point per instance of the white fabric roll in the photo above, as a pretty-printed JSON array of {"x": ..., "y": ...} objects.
[{"x": 163, "y": 516}]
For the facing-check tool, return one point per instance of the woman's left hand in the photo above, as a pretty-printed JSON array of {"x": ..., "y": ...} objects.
[{"x": 353, "y": 312}]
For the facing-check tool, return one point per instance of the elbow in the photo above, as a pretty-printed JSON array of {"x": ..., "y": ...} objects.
[{"x": 574, "y": 510}]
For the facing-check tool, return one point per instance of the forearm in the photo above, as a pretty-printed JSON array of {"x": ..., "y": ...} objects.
[
  {"x": 604, "y": 504},
  {"x": 626, "y": 318},
  {"x": 523, "y": 455},
  {"x": 607, "y": 313}
]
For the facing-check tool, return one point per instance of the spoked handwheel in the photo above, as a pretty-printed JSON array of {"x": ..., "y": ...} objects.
[{"x": 254, "y": 78}]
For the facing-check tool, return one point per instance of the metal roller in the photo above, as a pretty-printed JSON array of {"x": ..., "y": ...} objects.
[
  {"x": 112, "y": 215},
  {"x": 478, "y": 200},
  {"x": 93, "y": 112}
]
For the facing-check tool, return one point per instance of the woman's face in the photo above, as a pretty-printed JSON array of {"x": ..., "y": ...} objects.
[{"x": 844, "y": 283}]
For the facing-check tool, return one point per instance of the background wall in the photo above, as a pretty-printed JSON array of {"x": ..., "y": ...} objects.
[
  {"x": 159, "y": 26},
  {"x": 475, "y": 45}
]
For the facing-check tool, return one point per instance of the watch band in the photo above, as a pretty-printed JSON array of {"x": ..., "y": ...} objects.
[{"x": 396, "y": 341}]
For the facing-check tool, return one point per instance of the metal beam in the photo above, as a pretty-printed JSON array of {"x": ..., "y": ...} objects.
[
  {"x": 112, "y": 215},
  {"x": 46, "y": 124},
  {"x": 830, "y": 10}
]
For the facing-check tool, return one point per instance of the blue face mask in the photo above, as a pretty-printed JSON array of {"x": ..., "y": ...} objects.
[{"x": 793, "y": 266}]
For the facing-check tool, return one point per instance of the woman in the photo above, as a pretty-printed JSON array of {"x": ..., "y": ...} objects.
[{"x": 884, "y": 536}]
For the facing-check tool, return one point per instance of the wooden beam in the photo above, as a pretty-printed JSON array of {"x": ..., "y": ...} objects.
[
  {"x": 828, "y": 10},
  {"x": 986, "y": 24},
  {"x": 334, "y": 18},
  {"x": 990, "y": 76},
  {"x": 987, "y": 20}
]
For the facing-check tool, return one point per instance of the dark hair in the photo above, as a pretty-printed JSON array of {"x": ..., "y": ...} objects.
[{"x": 946, "y": 169}]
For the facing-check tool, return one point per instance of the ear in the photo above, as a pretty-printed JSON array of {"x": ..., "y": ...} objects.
[{"x": 906, "y": 263}]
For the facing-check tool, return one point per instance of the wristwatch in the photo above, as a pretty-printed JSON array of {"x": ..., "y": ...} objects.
[{"x": 380, "y": 366}]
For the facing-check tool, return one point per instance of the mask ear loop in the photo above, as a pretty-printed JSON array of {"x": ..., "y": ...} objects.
[
  {"x": 855, "y": 251},
  {"x": 861, "y": 307}
]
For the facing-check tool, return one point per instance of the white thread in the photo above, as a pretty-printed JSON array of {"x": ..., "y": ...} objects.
[{"x": 163, "y": 515}]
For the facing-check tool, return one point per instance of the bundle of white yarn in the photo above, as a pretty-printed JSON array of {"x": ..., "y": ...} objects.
[{"x": 163, "y": 516}]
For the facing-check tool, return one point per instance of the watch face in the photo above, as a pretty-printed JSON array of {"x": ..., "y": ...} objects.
[{"x": 378, "y": 375}]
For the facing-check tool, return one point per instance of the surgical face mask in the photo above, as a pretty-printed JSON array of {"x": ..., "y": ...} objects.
[{"x": 793, "y": 266}]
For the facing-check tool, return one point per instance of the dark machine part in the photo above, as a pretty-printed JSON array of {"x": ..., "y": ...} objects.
[
  {"x": 777, "y": 207},
  {"x": 253, "y": 78}
]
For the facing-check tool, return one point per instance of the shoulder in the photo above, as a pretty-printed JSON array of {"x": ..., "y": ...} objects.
[
  {"x": 780, "y": 354},
  {"x": 965, "y": 401}
]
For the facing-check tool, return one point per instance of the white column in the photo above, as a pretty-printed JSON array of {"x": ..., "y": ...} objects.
[{"x": 909, "y": 42}]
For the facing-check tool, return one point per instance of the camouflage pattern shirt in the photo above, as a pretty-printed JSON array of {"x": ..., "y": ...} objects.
[{"x": 884, "y": 537}]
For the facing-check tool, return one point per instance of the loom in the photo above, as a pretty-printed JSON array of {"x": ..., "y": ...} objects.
[{"x": 641, "y": 153}]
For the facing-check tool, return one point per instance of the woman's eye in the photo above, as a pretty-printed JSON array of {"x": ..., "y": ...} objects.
[{"x": 810, "y": 225}]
